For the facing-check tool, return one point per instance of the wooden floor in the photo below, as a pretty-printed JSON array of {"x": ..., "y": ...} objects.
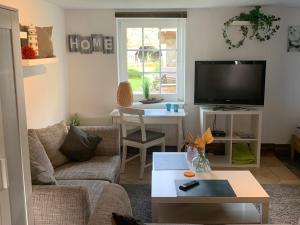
[{"x": 271, "y": 171}]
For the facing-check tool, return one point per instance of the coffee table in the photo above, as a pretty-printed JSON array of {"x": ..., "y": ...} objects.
[{"x": 167, "y": 207}]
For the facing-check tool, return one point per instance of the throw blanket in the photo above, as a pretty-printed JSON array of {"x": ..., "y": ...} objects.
[{"x": 241, "y": 154}]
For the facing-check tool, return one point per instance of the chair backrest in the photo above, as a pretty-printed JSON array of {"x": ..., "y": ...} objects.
[{"x": 132, "y": 117}]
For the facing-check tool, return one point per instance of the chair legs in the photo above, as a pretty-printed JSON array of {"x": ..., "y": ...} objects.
[
  {"x": 163, "y": 146},
  {"x": 143, "y": 155},
  {"x": 124, "y": 154}
]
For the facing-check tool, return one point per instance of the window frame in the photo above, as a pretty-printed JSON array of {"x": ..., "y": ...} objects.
[{"x": 180, "y": 24}]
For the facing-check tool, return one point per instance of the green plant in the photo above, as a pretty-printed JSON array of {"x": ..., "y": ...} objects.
[
  {"x": 146, "y": 89},
  {"x": 74, "y": 120},
  {"x": 262, "y": 26}
]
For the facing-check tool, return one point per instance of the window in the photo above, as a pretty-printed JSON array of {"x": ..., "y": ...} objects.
[{"x": 153, "y": 50}]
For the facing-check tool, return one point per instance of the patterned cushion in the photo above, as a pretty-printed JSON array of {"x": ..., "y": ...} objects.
[
  {"x": 98, "y": 168},
  {"x": 52, "y": 138},
  {"x": 41, "y": 166},
  {"x": 94, "y": 188}
]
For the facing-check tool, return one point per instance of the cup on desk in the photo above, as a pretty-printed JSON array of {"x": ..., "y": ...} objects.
[
  {"x": 168, "y": 106},
  {"x": 175, "y": 107}
]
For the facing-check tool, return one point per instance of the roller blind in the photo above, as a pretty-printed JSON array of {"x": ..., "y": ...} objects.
[{"x": 178, "y": 14}]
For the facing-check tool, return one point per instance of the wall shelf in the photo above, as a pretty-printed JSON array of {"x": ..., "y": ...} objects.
[
  {"x": 240, "y": 23},
  {"x": 43, "y": 61}
]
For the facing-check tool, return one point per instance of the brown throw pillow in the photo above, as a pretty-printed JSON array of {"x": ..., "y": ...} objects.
[
  {"x": 44, "y": 42},
  {"x": 78, "y": 145},
  {"x": 42, "y": 171},
  {"x": 52, "y": 138},
  {"x": 125, "y": 220}
]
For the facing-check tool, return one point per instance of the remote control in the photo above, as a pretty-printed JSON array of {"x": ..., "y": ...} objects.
[{"x": 188, "y": 185}]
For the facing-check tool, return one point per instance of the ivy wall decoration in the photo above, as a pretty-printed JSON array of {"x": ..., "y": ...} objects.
[{"x": 254, "y": 24}]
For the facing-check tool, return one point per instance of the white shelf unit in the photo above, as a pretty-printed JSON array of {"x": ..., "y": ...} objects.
[{"x": 233, "y": 123}]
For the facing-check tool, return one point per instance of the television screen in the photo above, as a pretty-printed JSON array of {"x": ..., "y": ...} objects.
[{"x": 230, "y": 82}]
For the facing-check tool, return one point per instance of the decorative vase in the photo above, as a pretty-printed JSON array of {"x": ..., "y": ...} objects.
[
  {"x": 124, "y": 94},
  {"x": 200, "y": 163},
  {"x": 191, "y": 152}
]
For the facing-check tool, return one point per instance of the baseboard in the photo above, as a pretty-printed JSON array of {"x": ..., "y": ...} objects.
[{"x": 275, "y": 149}]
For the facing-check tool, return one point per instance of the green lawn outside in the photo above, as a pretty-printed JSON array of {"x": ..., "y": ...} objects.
[
  {"x": 136, "y": 84},
  {"x": 135, "y": 77}
]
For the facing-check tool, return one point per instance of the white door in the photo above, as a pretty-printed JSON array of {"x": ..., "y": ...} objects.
[
  {"x": 13, "y": 143},
  {"x": 4, "y": 195}
]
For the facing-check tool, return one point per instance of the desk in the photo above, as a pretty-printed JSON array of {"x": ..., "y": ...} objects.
[{"x": 159, "y": 116}]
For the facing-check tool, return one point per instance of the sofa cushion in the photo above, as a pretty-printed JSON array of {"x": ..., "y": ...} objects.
[
  {"x": 52, "y": 138},
  {"x": 60, "y": 205},
  {"x": 78, "y": 145},
  {"x": 113, "y": 199},
  {"x": 98, "y": 168},
  {"x": 94, "y": 188},
  {"x": 44, "y": 41},
  {"x": 41, "y": 168},
  {"x": 40, "y": 176}
]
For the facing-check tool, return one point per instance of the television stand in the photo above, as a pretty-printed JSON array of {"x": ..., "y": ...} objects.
[
  {"x": 228, "y": 108},
  {"x": 240, "y": 127}
]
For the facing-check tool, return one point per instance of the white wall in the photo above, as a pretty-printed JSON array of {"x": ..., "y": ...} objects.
[
  {"x": 205, "y": 42},
  {"x": 46, "y": 95},
  {"x": 93, "y": 78}
]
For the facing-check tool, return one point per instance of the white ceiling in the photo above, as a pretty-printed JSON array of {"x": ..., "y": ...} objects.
[{"x": 166, "y": 4}]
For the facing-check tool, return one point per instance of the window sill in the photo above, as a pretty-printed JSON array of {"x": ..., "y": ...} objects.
[{"x": 160, "y": 105}]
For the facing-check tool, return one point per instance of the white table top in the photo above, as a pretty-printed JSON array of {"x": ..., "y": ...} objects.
[
  {"x": 155, "y": 113},
  {"x": 244, "y": 184}
]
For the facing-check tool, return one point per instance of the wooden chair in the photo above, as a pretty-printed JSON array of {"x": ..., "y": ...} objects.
[{"x": 141, "y": 138}]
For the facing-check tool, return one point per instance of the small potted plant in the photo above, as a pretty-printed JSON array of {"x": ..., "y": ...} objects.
[
  {"x": 146, "y": 89},
  {"x": 146, "y": 92},
  {"x": 74, "y": 120}
]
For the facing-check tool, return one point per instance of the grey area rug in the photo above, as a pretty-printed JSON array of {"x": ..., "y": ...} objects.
[{"x": 284, "y": 203}]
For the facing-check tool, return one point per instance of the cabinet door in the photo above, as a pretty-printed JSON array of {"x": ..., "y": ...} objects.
[
  {"x": 13, "y": 208},
  {"x": 5, "y": 68},
  {"x": 4, "y": 194}
]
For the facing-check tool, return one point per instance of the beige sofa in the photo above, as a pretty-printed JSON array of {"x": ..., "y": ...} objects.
[
  {"x": 81, "y": 186},
  {"x": 65, "y": 205},
  {"x": 86, "y": 193}
]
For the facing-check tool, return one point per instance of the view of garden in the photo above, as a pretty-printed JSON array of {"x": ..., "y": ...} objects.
[{"x": 151, "y": 55}]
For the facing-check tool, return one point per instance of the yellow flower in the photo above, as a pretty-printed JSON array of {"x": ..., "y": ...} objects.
[
  {"x": 199, "y": 142},
  {"x": 207, "y": 136}
]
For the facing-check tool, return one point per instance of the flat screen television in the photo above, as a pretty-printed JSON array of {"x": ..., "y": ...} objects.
[{"x": 230, "y": 82}]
